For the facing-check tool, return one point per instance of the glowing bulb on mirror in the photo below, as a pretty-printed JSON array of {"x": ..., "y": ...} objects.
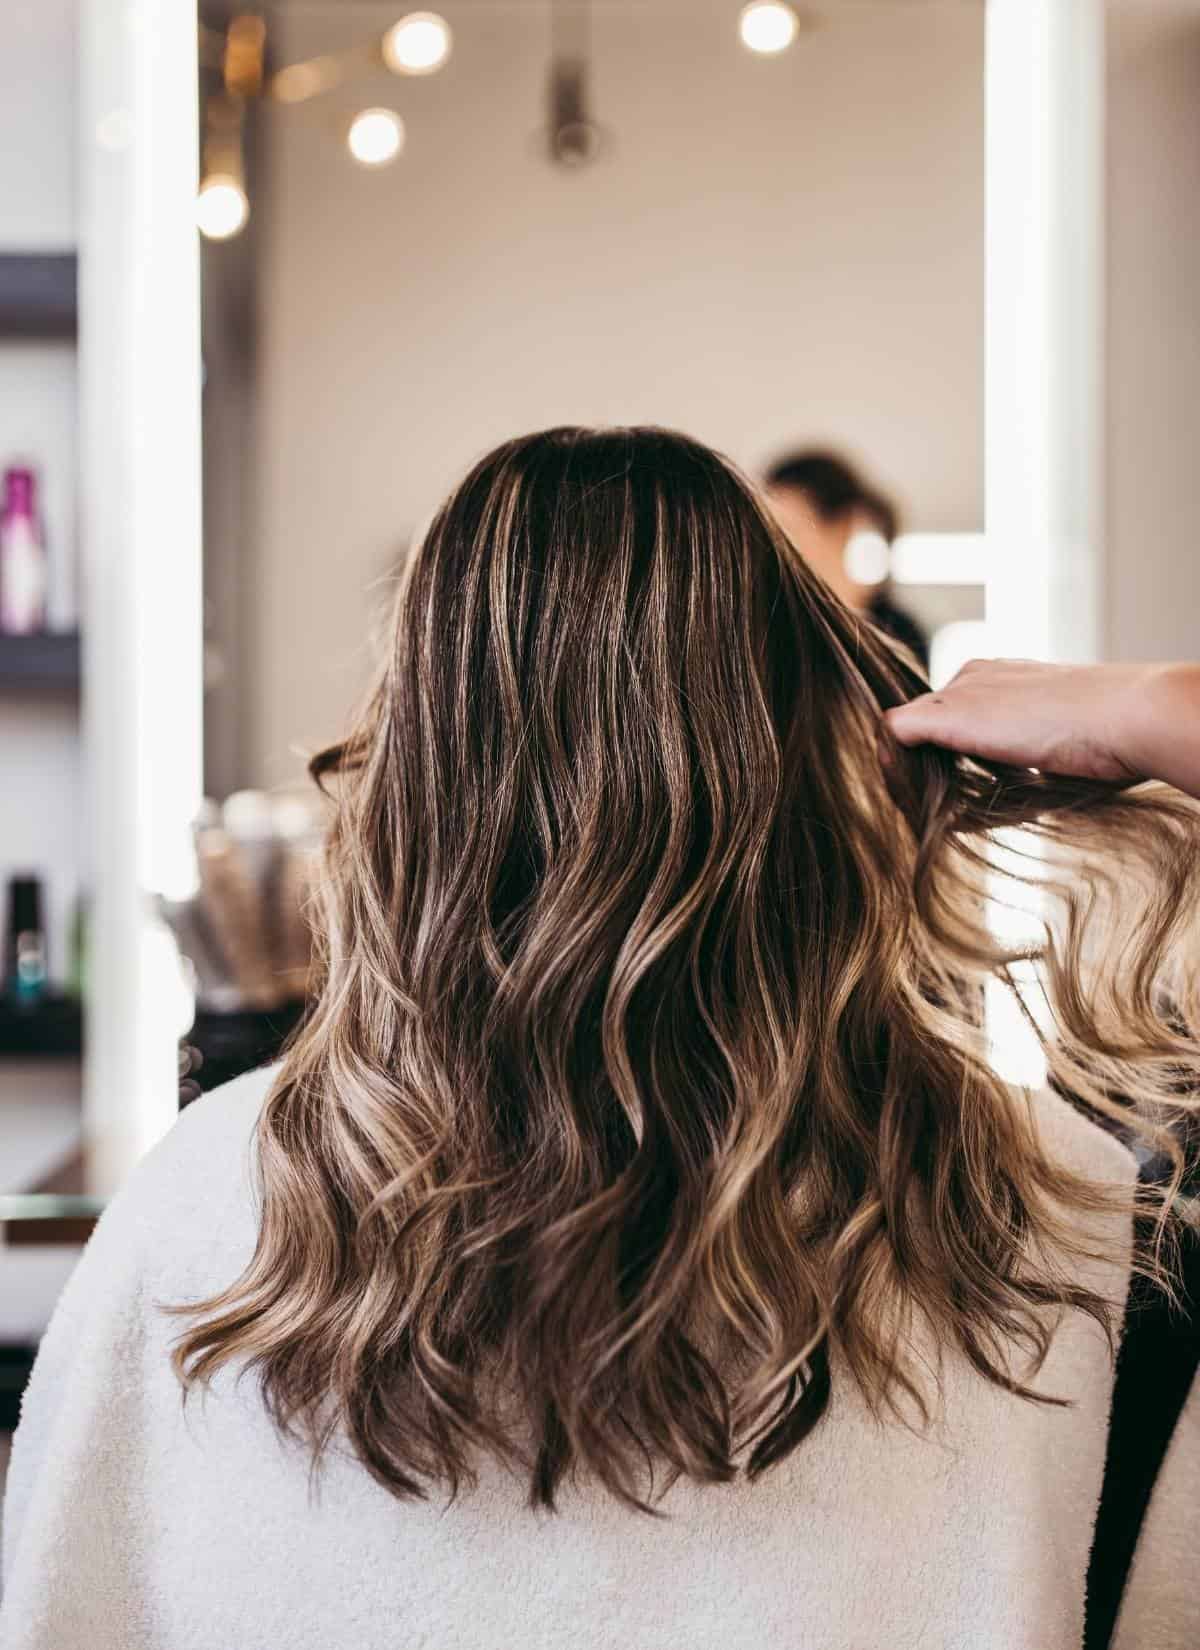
[
  {"x": 867, "y": 558},
  {"x": 417, "y": 44},
  {"x": 221, "y": 208},
  {"x": 376, "y": 136},
  {"x": 768, "y": 28}
]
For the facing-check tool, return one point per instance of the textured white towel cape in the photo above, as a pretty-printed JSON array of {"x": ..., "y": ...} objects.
[{"x": 132, "y": 1524}]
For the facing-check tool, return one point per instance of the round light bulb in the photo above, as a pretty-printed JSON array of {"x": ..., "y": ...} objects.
[
  {"x": 376, "y": 136},
  {"x": 768, "y": 27},
  {"x": 417, "y": 44},
  {"x": 868, "y": 557},
  {"x": 221, "y": 207}
]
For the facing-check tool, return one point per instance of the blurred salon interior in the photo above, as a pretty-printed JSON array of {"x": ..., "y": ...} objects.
[{"x": 272, "y": 276}]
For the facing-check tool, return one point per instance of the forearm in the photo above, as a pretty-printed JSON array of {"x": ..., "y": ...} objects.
[{"x": 1162, "y": 735}]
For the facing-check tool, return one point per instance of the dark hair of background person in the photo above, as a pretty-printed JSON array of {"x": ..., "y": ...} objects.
[
  {"x": 644, "y": 1094},
  {"x": 834, "y": 488},
  {"x": 836, "y": 491}
]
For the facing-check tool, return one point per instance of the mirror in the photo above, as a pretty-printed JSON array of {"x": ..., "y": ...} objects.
[
  {"x": 764, "y": 228},
  {"x": 773, "y": 251}
]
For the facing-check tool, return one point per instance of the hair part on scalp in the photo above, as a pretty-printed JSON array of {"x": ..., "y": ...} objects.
[{"x": 645, "y": 1093}]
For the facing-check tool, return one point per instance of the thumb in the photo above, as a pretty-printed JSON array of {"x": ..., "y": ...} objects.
[{"x": 916, "y": 721}]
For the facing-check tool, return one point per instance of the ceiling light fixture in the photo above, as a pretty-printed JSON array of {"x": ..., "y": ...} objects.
[
  {"x": 418, "y": 44},
  {"x": 768, "y": 27},
  {"x": 375, "y": 137},
  {"x": 573, "y": 136},
  {"x": 221, "y": 207}
]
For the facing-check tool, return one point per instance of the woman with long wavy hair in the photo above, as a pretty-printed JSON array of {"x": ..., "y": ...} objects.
[{"x": 635, "y": 1246}]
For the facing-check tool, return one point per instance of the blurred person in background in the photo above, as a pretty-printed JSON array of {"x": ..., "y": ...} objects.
[
  {"x": 635, "y": 1247},
  {"x": 822, "y": 502}
]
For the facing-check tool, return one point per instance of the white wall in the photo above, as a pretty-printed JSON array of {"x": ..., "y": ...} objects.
[
  {"x": 37, "y": 125},
  {"x": 772, "y": 252},
  {"x": 1153, "y": 355}
]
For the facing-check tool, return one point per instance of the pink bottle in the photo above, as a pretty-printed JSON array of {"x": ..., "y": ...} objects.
[{"x": 23, "y": 574}]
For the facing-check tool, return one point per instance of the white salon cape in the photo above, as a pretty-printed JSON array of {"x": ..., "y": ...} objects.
[{"x": 132, "y": 1523}]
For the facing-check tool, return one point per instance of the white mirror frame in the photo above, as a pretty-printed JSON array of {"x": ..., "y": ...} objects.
[
  {"x": 1044, "y": 99},
  {"x": 139, "y": 377},
  {"x": 1044, "y": 318}
]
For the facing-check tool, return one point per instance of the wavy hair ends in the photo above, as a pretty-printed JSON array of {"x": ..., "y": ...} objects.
[{"x": 645, "y": 1093}]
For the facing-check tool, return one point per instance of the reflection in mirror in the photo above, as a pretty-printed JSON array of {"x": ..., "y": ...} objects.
[
  {"x": 772, "y": 252},
  {"x": 504, "y": 217}
]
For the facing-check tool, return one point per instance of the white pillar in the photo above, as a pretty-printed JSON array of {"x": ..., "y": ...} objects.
[
  {"x": 139, "y": 376},
  {"x": 1044, "y": 280}
]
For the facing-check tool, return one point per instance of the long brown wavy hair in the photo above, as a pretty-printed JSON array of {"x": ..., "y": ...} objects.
[{"x": 645, "y": 1091}]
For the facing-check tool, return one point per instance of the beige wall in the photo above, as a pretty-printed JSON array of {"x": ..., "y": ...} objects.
[
  {"x": 1153, "y": 365},
  {"x": 772, "y": 251}
]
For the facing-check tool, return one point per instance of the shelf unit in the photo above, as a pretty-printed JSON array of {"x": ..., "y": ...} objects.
[
  {"x": 46, "y": 663},
  {"x": 51, "y": 1029},
  {"x": 38, "y": 295},
  {"x": 39, "y": 304},
  {"x": 130, "y": 449}
]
